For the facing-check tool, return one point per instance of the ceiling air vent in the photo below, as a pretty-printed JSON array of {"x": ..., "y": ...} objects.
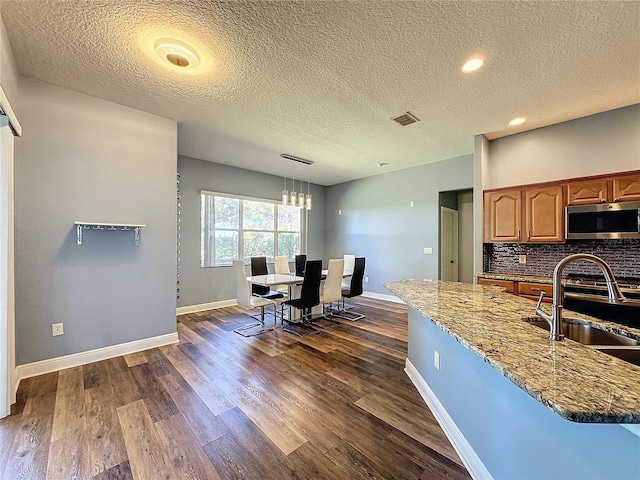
[{"x": 406, "y": 119}]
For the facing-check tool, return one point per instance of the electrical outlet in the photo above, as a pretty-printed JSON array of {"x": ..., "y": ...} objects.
[
  {"x": 436, "y": 359},
  {"x": 339, "y": 212},
  {"x": 56, "y": 329},
  {"x": 522, "y": 259},
  {"x": 428, "y": 251},
  {"x": 366, "y": 279},
  {"x": 412, "y": 204}
]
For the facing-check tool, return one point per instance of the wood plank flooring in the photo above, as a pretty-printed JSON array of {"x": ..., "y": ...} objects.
[{"x": 336, "y": 405}]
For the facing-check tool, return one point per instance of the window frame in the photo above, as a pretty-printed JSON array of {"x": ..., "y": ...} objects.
[{"x": 207, "y": 253}]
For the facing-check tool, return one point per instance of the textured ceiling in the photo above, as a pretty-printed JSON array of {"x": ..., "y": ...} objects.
[{"x": 322, "y": 80}]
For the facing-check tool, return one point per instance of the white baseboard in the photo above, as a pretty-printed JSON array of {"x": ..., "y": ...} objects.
[
  {"x": 82, "y": 358},
  {"x": 382, "y": 296},
  {"x": 205, "y": 306},
  {"x": 474, "y": 465}
]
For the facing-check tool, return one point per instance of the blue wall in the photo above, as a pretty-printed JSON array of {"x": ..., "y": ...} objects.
[{"x": 514, "y": 435}]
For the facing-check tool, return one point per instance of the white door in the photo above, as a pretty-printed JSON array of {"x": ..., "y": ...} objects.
[
  {"x": 448, "y": 244},
  {"x": 7, "y": 348}
]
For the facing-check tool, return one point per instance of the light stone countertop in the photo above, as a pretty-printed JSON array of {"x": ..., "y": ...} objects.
[
  {"x": 575, "y": 381},
  {"x": 516, "y": 277}
]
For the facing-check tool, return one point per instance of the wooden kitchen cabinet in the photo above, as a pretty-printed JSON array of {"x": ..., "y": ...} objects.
[
  {"x": 532, "y": 290},
  {"x": 508, "y": 285},
  {"x": 503, "y": 216},
  {"x": 617, "y": 189},
  {"x": 544, "y": 210},
  {"x": 538, "y": 219},
  {"x": 624, "y": 189},
  {"x": 589, "y": 192}
]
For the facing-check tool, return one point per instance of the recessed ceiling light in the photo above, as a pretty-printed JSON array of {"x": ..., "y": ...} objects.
[
  {"x": 177, "y": 54},
  {"x": 472, "y": 65},
  {"x": 516, "y": 121},
  {"x": 382, "y": 164}
]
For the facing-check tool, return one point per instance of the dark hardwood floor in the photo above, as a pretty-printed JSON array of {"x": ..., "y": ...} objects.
[{"x": 336, "y": 405}]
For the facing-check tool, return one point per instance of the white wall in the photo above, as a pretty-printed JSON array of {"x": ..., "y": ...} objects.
[
  {"x": 82, "y": 158},
  {"x": 603, "y": 143}
]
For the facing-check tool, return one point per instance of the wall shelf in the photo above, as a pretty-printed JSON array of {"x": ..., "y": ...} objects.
[{"x": 108, "y": 226}]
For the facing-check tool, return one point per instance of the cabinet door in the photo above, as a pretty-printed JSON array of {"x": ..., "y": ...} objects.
[
  {"x": 508, "y": 285},
  {"x": 581, "y": 193},
  {"x": 544, "y": 214},
  {"x": 532, "y": 290},
  {"x": 626, "y": 188},
  {"x": 503, "y": 216}
]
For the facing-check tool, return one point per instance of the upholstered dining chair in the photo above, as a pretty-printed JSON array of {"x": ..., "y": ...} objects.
[
  {"x": 331, "y": 292},
  {"x": 259, "y": 267},
  {"x": 355, "y": 289},
  {"x": 301, "y": 260},
  {"x": 309, "y": 298},
  {"x": 245, "y": 299}
]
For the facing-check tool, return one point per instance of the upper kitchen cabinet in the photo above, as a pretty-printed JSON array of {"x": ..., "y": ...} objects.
[
  {"x": 604, "y": 190},
  {"x": 506, "y": 219},
  {"x": 503, "y": 216},
  {"x": 625, "y": 189},
  {"x": 543, "y": 214}
]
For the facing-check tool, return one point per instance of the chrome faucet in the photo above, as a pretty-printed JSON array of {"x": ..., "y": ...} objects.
[{"x": 555, "y": 318}]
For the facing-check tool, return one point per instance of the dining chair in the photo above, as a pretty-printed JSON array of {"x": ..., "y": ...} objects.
[
  {"x": 349, "y": 263},
  {"x": 300, "y": 264},
  {"x": 331, "y": 292},
  {"x": 245, "y": 299},
  {"x": 281, "y": 263},
  {"x": 259, "y": 267},
  {"x": 355, "y": 289},
  {"x": 309, "y": 298}
]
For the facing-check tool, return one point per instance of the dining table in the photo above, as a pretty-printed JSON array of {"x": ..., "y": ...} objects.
[{"x": 291, "y": 280}]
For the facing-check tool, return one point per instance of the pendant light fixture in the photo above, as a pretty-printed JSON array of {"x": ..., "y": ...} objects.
[
  {"x": 285, "y": 193},
  {"x": 300, "y": 196},
  {"x": 308, "y": 200},
  {"x": 292, "y": 198}
]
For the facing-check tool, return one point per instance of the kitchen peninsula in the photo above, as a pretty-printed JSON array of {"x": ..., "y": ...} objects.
[{"x": 515, "y": 404}]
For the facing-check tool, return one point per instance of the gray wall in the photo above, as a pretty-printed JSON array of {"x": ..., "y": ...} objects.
[
  {"x": 465, "y": 236},
  {"x": 81, "y": 158},
  {"x": 602, "y": 143},
  {"x": 378, "y": 223},
  {"x": 8, "y": 71},
  {"x": 206, "y": 285},
  {"x": 515, "y": 436}
]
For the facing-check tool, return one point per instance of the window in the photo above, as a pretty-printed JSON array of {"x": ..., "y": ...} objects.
[{"x": 240, "y": 228}]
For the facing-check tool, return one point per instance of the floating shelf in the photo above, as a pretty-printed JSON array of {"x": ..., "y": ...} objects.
[{"x": 108, "y": 226}]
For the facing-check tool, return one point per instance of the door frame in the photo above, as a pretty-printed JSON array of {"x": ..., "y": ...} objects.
[{"x": 454, "y": 237}]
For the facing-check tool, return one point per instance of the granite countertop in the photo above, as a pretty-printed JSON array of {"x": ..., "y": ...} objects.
[
  {"x": 575, "y": 381},
  {"x": 516, "y": 277}
]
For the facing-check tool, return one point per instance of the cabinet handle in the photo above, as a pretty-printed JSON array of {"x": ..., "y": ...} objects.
[
  {"x": 528, "y": 234},
  {"x": 518, "y": 233},
  {"x": 603, "y": 200},
  {"x": 616, "y": 199},
  {"x": 533, "y": 289}
]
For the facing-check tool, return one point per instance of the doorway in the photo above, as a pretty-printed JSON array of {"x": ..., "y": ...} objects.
[
  {"x": 7, "y": 308},
  {"x": 456, "y": 236}
]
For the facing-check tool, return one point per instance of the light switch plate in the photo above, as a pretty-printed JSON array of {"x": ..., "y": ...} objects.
[{"x": 428, "y": 251}]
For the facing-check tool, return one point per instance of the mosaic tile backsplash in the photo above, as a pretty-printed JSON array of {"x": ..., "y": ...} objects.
[{"x": 622, "y": 255}]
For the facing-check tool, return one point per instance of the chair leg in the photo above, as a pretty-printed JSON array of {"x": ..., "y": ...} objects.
[
  {"x": 351, "y": 316},
  {"x": 243, "y": 330}
]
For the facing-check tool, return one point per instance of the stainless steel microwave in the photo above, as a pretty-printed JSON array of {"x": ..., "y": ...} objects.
[{"x": 605, "y": 220}]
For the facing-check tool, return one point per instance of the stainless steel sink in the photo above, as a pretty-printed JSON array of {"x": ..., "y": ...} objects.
[
  {"x": 630, "y": 354},
  {"x": 582, "y": 332}
]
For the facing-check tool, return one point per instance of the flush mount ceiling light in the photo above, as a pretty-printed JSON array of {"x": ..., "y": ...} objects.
[
  {"x": 516, "y": 121},
  {"x": 472, "y": 65},
  {"x": 177, "y": 54}
]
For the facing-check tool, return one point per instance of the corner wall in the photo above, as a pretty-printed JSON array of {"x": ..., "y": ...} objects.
[
  {"x": 378, "y": 223},
  {"x": 215, "y": 284},
  {"x": 85, "y": 159}
]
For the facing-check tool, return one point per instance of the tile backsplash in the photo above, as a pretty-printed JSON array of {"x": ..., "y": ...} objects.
[{"x": 622, "y": 255}]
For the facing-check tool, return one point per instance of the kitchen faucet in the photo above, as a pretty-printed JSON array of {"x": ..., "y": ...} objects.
[{"x": 555, "y": 318}]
